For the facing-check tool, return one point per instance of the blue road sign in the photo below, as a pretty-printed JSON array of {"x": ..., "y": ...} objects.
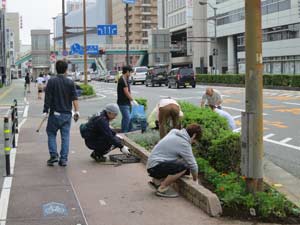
[
  {"x": 111, "y": 29},
  {"x": 129, "y": 1},
  {"x": 65, "y": 53},
  {"x": 76, "y": 49},
  {"x": 92, "y": 49}
]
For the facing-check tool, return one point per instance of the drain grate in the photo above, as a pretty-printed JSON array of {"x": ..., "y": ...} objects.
[{"x": 124, "y": 159}]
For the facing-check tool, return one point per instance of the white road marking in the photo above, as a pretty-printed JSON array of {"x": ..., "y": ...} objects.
[
  {"x": 283, "y": 144},
  {"x": 291, "y": 103},
  {"x": 236, "y": 117},
  {"x": 286, "y": 140},
  {"x": 235, "y": 109},
  {"x": 237, "y": 130},
  {"x": 102, "y": 202},
  {"x": 268, "y": 136}
]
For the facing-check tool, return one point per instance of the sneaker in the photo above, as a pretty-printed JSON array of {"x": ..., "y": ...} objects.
[
  {"x": 62, "y": 163},
  {"x": 52, "y": 160},
  {"x": 98, "y": 158},
  {"x": 153, "y": 185},
  {"x": 167, "y": 193}
]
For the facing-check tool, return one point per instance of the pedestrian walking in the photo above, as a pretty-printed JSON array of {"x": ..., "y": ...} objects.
[
  {"x": 125, "y": 98},
  {"x": 59, "y": 96},
  {"x": 27, "y": 82},
  {"x": 172, "y": 158},
  {"x": 211, "y": 97},
  {"x": 40, "y": 85},
  {"x": 99, "y": 137}
]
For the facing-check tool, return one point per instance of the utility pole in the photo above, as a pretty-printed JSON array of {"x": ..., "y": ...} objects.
[
  {"x": 64, "y": 26},
  {"x": 252, "y": 125},
  {"x": 127, "y": 34},
  {"x": 216, "y": 42},
  {"x": 84, "y": 42}
]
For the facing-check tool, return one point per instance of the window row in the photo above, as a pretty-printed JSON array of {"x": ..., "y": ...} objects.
[
  {"x": 177, "y": 19},
  {"x": 175, "y": 4}
]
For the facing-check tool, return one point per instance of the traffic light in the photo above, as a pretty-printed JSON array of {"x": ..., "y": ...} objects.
[
  {"x": 215, "y": 51},
  {"x": 211, "y": 61}
]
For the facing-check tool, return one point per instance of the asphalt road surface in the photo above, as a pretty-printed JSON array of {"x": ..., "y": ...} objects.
[{"x": 281, "y": 114}]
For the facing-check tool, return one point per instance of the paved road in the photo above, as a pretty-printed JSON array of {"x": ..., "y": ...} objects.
[{"x": 281, "y": 115}]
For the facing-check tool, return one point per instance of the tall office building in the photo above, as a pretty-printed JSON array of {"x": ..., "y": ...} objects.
[
  {"x": 280, "y": 29},
  {"x": 12, "y": 22},
  {"x": 142, "y": 18},
  {"x": 2, "y": 43}
]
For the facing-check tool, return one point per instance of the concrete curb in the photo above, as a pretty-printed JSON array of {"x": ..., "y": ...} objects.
[
  {"x": 86, "y": 97},
  {"x": 197, "y": 194}
]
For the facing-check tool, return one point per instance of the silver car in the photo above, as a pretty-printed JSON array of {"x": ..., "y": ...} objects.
[{"x": 139, "y": 74}]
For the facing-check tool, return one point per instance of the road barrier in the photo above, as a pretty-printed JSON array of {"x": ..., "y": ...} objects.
[{"x": 10, "y": 130}]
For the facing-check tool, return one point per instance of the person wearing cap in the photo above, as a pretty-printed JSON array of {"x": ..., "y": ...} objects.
[
  {"x": 125, "y": 98},
  {"x": 99, "y": 137}
]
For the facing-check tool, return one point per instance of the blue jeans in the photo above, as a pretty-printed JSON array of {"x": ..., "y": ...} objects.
[
  {"x": 60, "y": 122},
  {"x": 125, "y": 111}
]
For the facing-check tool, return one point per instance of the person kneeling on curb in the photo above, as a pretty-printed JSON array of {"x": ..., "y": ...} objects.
[
  {"x": 172, "y": 158},
  {"x": 98, "y": 135}
]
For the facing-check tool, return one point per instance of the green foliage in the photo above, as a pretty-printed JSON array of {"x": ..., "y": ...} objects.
[
  {"x": 223, "y": 79},
  {"x": 267, "y": 80},
  {"x": 142, "y": 101},
  {"x": 225, "y": 152},
  {"x": 231, "y": 190},
  {"x": 147, "y": 140},
  {"x": 1, "y": 85},
  {"x": 295, "y": 81},
  {"x": 87, "y": 89},
  {"x": 281, "y": 80}
]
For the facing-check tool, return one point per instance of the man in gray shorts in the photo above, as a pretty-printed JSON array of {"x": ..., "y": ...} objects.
[{"x": 172, "y": 158}]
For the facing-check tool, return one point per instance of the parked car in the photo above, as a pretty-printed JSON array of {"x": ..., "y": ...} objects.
[
  {"x": 139, "y": 74},
  {"x": 157, "y": 75},
  {"x": 111, "y": 76},
  {"x": 181, "y": 77},
  {"x": 82, "y": 77}
]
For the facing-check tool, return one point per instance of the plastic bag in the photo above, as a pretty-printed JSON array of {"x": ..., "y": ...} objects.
[{"x": 138, "y": 119}]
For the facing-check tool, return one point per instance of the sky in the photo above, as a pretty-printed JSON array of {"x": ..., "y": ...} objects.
[{"x": 36, "y": 14}]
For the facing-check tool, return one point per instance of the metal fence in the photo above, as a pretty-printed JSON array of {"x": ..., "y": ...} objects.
[{"x": 10, "y": 130}]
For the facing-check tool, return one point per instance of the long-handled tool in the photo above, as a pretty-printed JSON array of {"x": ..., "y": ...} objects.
[{"x": 41, "y": 124}]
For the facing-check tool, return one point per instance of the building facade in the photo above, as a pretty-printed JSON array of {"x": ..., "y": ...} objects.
[
  {"x": 142, "y": 18},
  {"x": 186, "y": 20},
  {"x": 12, "y": 21},
  {"x": 40, "y": 51},
  {"x": 2, "y": 44},
  {"x": 280, "y": 31}
]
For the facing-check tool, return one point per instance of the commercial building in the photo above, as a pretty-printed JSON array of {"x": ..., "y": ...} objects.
[
  {"x": 40, "y": 51},
  {"x": 281, "y": 35},
  {"x": 2, "y": 44},
  {"x": 142, "y": 18},
  {"x": 12, "y": 22},
  {"x": 186, "y": 20}
]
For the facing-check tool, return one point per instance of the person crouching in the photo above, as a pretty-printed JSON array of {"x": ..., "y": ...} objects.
[{"x": 99, "y": 137}]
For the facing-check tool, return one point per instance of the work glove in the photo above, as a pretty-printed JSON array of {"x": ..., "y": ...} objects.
[
  {"x": 45, "y": 115},
  {"x": 120, "y": 136},
  {"x": 134, "y": 103},
  {"x": 76, "y": 116},
  {"x": 125, "y": 150}
]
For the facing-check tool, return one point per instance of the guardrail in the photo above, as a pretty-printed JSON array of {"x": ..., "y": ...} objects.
[{"x": 11, "y": 128}]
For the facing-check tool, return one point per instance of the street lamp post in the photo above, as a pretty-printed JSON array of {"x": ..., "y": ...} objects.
[
  {"x": 215, "y": 51},
  {"x": 84, "y": 42},
  {"x": 54, "y": 35},
  {"x": 127, "y": 34},
  {"x": 64, "y": 25}
]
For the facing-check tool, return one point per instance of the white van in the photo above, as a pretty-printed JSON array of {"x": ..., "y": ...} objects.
[{"x": 139, "y": 74}]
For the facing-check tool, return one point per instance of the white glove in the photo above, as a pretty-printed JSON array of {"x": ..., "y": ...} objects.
[
  {"x": 120, "y": 136},
  {"x": 134, "y": 102},
  {"x": 45, "y": 115},
  {"x": 76, "y": 116},
  {"x": 125, "y": 150}
]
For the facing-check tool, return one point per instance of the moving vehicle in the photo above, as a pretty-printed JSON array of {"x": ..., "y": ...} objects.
[
  {"x": 111, "y": 76},
  {"x": 139, "y": 74},
  {"x": 181, "y": 77},
  {"x": 157, "y": 75},
  {"x": 82, "y": 77}
]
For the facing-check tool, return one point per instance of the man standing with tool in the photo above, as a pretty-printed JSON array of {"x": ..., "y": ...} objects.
[{"x": 59, "y": 96}]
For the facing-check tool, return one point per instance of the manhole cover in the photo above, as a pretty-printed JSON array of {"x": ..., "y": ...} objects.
[{"x": 124, "y": 159}]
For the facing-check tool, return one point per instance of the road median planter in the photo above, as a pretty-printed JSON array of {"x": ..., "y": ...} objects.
[{"x": 196, "y": 194}]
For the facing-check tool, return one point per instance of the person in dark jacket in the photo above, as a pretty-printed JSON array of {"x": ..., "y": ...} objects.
[{"x": 98, "y": 135}]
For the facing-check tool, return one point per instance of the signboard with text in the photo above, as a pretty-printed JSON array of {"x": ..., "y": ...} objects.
[
  {"x": 109, "y": 29},
  {"x": 129, "y": 1}
]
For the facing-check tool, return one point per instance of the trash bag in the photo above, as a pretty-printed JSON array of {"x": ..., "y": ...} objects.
[{"x": 138, "y": 120}]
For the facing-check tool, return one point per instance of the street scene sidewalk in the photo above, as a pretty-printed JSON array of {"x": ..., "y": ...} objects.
[{"x": 86, "y": 192}]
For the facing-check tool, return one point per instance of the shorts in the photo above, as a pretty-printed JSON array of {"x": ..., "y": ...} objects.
[{"x": 164, "y": 169}]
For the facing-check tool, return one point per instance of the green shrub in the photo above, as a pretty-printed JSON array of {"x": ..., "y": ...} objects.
[
  {"x": 267, "y": 79},
  {"x": 142, "y": 101},
  {"x": 281, "y": 80},
  {"x": 295, "y": 81},
  {"x": 87, "y": 89},
  {"x": 225, "y": 153},
  {"x": 1, "y": 85},
  {"x": 221, "y": 79},
  {"x": 147, "y": 140}
]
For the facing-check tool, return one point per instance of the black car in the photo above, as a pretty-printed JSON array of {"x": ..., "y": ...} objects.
[
  {"x": 181, "y": 77},
  {"x": 157, "y": 75}
]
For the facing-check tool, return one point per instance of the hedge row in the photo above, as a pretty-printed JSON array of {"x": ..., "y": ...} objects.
[
  {"x": 87, "y": 89},
  {"x": 268, "y": 80}
]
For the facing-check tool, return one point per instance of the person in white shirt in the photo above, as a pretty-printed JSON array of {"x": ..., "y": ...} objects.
[
  {"x": 40, "y": 84},
  {"x": 225, "y": 115},
  {"x": 211, "y": 97}
]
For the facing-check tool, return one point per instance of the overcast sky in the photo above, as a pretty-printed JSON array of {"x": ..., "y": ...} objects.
[{"x": 37, "y": 14}]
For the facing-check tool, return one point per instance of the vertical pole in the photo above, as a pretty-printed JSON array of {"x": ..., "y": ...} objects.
[
  {"x": 16, "y": 116},
  {"x": 127, "y": 35},
  {"x": 54, "y": 31},
  {"x": 64, "y": 25},
  {"x": 7, "y": 145},
  {"x": 13, "y": 126},
  {"x": 254, "y": 88},
  {"x": 84, "y": 42},
  {"x": 216, "y": 42}
]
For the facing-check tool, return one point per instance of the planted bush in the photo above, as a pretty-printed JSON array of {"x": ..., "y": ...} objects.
[
  {"x": 295, "y": 81},
  {"x": 267, "y": 80},
  {"x": 147, "y": 140},
  {"x": 281, "y": 80},
  {"x": 87, "y": 89},
  {"x": 142, "y": 101}
]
